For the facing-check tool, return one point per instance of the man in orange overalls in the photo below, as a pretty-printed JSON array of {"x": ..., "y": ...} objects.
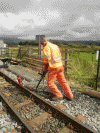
[{"x": 53, "y": 62}]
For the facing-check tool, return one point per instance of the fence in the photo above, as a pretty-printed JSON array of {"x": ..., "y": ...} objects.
[
  {"x": 32, "y": 54},
  {"x": 4, "y": 52}
]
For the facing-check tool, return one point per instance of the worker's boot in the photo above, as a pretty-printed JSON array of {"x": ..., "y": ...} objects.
[
  {"x": 68, "y": 99},
  {"x": 56, "y": 99}
]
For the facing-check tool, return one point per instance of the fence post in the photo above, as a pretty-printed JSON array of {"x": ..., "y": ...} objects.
[
  {"x": 8, "y": 52},
  {"x": 20, "y": 52},
  {"x": 66, "y": 57},
  {"x": 29, "y": 52},
  {"x": 98, "y": 70},
  {"x": 1, "y": 53},
  {"x": 11, "y": 54}
]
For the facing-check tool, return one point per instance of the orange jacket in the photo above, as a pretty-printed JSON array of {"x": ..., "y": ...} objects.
[{"x": 52, "y": 55}]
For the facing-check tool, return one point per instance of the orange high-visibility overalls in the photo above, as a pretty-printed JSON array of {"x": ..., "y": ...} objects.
[{"x": 52, "y": 59}]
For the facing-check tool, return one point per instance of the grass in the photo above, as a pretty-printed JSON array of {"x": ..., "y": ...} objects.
[
  {"x": 83, "y": 68},
  {"x": 84, "y": 56}
]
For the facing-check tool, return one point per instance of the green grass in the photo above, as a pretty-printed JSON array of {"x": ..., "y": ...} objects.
[
  {"x": 83, "y": 68},
  {"x": 88, "y": 56}
]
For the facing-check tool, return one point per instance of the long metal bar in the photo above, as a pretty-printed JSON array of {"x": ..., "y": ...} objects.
[
  {"x": 81, "y": 126},
  {"x": 22, "y": 120}
]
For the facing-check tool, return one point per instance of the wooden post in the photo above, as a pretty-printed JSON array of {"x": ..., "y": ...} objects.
[
  {"x": 1, "y": 52},
  {"x": 11, "y": 54},
  {"x": 20, "y": 52},
  {"x": 8, "y": 52},
  {"x": 29, "y": 48},
  {"x": 66, "y": 57}
]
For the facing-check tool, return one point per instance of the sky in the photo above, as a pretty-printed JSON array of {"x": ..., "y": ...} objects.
[{"x": 56, "y": 19}]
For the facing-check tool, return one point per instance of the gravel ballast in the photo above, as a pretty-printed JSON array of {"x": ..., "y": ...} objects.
[
  {"x": 83, "y": 107},
  {"x": 7, "y": 121}
]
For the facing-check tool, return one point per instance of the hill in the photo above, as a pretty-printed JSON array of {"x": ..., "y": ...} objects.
[{"x": 13, "y": 41}]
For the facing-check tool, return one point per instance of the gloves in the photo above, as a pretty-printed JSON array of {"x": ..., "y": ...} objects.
[
  {"x": 45, "y": 67},
  {"x": 44, "y": 73}
]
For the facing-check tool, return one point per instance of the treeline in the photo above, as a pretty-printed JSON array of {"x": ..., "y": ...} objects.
[
  {"x": 33, "y": 43},
  {"x": 83, "y": 44}
]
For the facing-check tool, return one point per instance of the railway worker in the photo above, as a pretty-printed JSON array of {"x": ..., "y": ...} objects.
[{"x": 53, "y": 63}]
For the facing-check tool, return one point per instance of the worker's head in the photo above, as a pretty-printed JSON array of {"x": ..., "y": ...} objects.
[{"x": 44, "y": 41}]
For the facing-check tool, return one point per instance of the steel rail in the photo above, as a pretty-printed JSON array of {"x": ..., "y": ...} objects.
[
  {"x": 22, "y": 120},
  {"x": 77, "y": 124}
]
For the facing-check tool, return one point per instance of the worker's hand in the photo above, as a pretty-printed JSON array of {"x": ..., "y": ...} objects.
[
  {"x": 43, "y": 73},
  {"x": 45, "y": 67}
]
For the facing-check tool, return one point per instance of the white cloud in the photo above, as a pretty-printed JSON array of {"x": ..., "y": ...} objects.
[
  {"x": 97, "y": 16},
  {"x": 82, "y": 21},
  {"x": 80, "y": 35},
  {"x": 40, "y": 18},
  {"x": 6, "y": 21},
  {"x": 52, "y": 14},
  {"x": 9, "y": 21}
]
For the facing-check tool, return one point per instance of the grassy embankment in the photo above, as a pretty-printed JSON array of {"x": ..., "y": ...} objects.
[{"x": 83, "y": 67}]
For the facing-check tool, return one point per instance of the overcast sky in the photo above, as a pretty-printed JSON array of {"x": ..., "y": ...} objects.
[{"x": 56, "y": 19}]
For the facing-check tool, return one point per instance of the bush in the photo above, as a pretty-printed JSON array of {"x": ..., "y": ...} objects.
[
  {"x": 92, "y": 82},
  {"x": 58, "y": 43}
]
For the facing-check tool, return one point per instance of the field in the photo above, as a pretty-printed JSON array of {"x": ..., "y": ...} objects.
[{"x": 83, "y": 70}]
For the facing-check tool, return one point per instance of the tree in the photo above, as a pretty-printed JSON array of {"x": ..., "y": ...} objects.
[{"x": 58, "y": 43}]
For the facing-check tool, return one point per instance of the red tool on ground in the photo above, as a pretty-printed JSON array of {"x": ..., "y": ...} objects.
[{"x": 20, "y": 80}]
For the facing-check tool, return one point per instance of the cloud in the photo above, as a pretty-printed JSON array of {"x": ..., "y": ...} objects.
[
  {"x": 91, "y": 30},
  {"x": 31, "y": 19},
  {"x": 27, "y": 24},
  {"x": 97, "y": 16},
  {"x": 12, "y": 22},
  {"x": 82, "y": 21},
  {"x": 63, "y": 18}
]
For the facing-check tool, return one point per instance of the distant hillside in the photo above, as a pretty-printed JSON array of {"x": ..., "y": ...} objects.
[
  {"x": 90, "y": 42},
  {"x": 13, "y": 41}
]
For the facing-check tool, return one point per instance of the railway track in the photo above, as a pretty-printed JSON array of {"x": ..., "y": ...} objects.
[
  {"x": 7, "y": 121},
  {"x": 35, "y": 113}
]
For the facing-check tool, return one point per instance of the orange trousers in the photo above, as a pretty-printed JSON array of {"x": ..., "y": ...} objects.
[{"x": 59, "y": 74}]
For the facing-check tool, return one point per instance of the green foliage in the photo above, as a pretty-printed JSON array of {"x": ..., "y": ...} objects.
[
  {"x": 28, "y": 43},
  {"x": 77, "y": 45},
  {"x": 83, "y": 68},
  {"x": 58, "y": 43},
  {"x": 92, "y": 82},
  {"x": 93, "y": 47}
]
